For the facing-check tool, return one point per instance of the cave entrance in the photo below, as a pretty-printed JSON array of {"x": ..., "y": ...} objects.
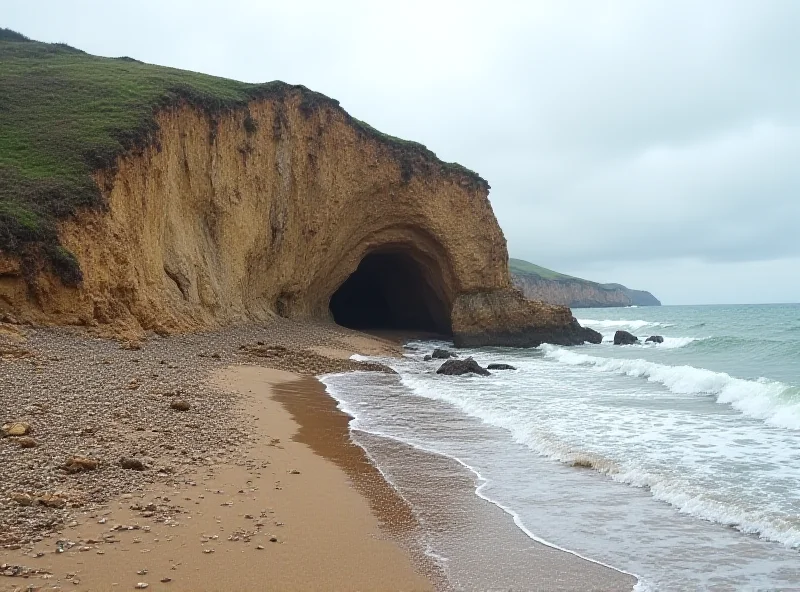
[{"x": 391, "y": 291}]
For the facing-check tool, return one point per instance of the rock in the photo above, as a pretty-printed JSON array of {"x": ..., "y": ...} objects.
[
  {"x": 591, "y": 335},
  {"x": 506, "y": 318},
  {"x": 458, "y": 367},
  {"x": 23, "y": 499},
  {"x": 132, "y": 464},
  {"x": 26, "y": 442},
  {"x": 654, "y": 339},
  {"x": 442, "y": 354},
  {"x": 180, "y": 405},
  {"x": 131, "y": 346},
  {"x": 51, "y": 500},
  {"x": 428, "y": 358},
  {"x": 625, "y": 338},
  {"x": 78, "y": 464},
  {"x": 500, "y": 367},
  {"x": 15, "y": 428},
  {"x": 141, "y": 586}
]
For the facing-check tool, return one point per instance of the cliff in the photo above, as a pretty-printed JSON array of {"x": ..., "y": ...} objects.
[
  {"x": 218, "y": 202},
  {"x": 540, "y": 283}
]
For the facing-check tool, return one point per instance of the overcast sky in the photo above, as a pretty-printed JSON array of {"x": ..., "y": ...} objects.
[{"x": 654, "y": 144}]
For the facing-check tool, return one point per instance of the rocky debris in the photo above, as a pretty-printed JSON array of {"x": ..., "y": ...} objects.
[
  {"x": 15, "y": 428},
  {"x": 442, "y": 354},
  {"x": 500, "y": 367},
  {"x": 131, "y": 345},
  {"x": 180, "y": 405},
  {"x": 654, "y": 339},
  {"x": 20, "y": 571},
  {"x": 78, "y": 464},
  {"x": 303, "y": 361},
  {"x": 49, "y": 500},
  {"x": 458, "y": 367},
  {"x": 132, "y": 464},
  {"x": 625, "y": 338}
]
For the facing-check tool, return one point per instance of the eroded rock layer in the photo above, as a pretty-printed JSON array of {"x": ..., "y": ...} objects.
[{"x": 268, "y": 211}]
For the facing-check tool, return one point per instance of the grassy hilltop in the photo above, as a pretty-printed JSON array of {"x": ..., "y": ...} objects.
[{"x": 65, "y": 113}]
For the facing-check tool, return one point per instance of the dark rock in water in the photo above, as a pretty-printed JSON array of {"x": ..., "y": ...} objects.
[
  {"x": 625, "y": 338},
  {"x": 500, "y": 367},
  {"x": 459, "y": 367},
  {"x": 442, "y": 354},
  {"x": 655, "y": 339},
  {"x": 591, "y": 335},
  {"x": 428, "y": 358}
]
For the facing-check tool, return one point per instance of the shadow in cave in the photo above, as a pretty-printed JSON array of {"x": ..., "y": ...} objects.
[{"x": 390, "y": 291}]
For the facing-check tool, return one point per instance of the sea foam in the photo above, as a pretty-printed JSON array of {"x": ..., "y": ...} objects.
[{"x": 774, "y": 402}]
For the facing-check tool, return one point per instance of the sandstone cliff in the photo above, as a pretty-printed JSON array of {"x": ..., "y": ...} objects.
[
  {"x": 273, "y": 207},
  {"x": 539, "y": 283}
]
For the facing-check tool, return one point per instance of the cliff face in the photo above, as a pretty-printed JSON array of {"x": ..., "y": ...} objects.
[
  {"x": 269, "y": 210},
  {"x": 578, "y": 293}
]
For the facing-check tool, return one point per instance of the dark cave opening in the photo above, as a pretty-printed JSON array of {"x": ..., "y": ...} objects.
[{"x": 389, "y": 290}]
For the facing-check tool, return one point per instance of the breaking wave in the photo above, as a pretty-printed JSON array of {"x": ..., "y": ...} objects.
[{"x": 774, "y": 402}]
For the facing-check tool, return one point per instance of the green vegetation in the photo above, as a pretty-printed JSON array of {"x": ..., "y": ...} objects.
[
  {"x": 520, "y": 266},
  {"x": 65, "y": 113}
]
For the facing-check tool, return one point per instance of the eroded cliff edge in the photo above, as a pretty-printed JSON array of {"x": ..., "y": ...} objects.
[{"x": 268, "y": 210}]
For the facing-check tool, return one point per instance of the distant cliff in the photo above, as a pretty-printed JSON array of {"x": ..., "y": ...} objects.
[{"x": 540, "y": 283}]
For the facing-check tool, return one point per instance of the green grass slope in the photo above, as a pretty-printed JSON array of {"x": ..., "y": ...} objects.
[
  {"x": 65, "y": 113},
  {"x": 521, "y": 266}
]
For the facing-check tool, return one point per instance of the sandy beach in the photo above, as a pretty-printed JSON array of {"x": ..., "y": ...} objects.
[{"x": 211, "y": 462}]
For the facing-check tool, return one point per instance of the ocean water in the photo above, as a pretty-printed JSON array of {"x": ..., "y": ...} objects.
[{"x": 677, "y": 462}]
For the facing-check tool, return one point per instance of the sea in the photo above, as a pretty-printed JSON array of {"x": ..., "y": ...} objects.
[{"x": 677, "y": 462}]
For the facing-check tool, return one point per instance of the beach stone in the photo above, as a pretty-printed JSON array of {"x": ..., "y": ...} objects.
[
  {"x": 459, "y": 367},
  {"x": 132, "y": 464},
  {"x": 442, "y": 354},
  {"x": 654, "y": 339},
  {"x": 23, "y": 499},
  {"x": 625, "y": 338},
  {"x": 180, "y": 405},
  {"x": 26, "y": 442},
  {"x": 51, "y": 500},
  {"x": 78, "y": 464},
  {"x": 16, "y": 428},
  {"x": 500, "y": 367}
]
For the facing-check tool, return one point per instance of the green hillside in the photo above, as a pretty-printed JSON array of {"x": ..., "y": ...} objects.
[
  {"x": 65, "y": 113},
  {"x": 524, "y": 267}
]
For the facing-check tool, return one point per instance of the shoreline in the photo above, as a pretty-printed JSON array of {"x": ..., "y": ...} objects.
[{"x": 204, "y": 517}]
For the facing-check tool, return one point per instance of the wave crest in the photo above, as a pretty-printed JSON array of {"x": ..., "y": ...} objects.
[{"x": 774, "y": 402}]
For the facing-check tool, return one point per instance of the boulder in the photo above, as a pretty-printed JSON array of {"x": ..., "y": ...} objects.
[
  {"x": 654, "y": 339},
  {"x": 455, "y": 367},
  {"x": 442, "y": 354},
  {"x": 591, "y": 335},
  {"x": 500, "y": 367},
  {"x": 625, "y": 338},
  {"x": 428, "y": 358}
]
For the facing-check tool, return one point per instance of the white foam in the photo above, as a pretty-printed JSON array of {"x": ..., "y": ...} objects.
[
  {"x": 634, "y": 325},
  {"x": 762, "y": 399}
]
